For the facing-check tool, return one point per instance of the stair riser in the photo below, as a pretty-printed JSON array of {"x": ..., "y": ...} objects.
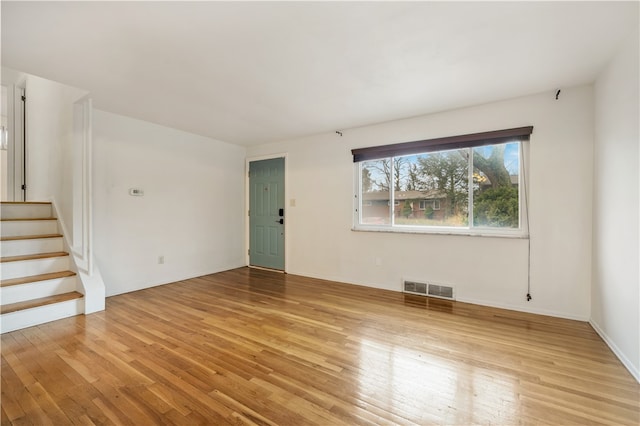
[
  {"x": 20, "y": 293},
  {"x": 28, "y": 227},
  {"x": 24, "y": 247},
  {"x": 17, "y": 211},
  {"x": 26, "y": 268},
  {"x": 40, "y": 315}
]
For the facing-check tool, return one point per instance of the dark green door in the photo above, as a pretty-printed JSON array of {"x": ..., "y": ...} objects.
[{"x": 266, "y": 213}]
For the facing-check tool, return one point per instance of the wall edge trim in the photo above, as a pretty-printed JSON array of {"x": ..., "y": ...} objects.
[{"x": 633, "y": 370}]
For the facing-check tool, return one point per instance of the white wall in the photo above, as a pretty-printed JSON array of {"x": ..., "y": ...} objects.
[
  {"x": 192, "y": 211},
  {"x": 491, "y": 271},
  {"x": 615, "y": 302},
  {"x": 50, "y": 142}
]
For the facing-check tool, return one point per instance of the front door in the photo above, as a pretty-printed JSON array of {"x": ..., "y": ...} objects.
[{"x": 266, "y": 213}]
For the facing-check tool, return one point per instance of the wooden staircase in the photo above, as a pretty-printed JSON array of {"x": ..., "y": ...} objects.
[{"x": 36, "y": 281}]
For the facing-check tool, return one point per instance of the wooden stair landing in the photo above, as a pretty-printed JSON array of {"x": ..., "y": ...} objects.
[
  {"x": 6, "y": 309},
  {"x": 36, "y": 278}
]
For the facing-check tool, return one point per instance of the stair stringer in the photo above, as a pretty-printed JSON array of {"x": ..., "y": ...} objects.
[
  {"x": 94, "y": 290},
  {"x": 89, "y": 284}
]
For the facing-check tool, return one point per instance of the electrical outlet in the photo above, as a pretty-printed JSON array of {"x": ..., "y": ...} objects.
[{"x": 161, "y": 260}]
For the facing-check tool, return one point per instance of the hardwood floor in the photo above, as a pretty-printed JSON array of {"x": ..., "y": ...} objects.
[{"x": 256, "y": 347}]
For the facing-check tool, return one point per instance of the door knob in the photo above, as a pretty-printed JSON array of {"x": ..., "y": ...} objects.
[{"x": 280, "y": 221}]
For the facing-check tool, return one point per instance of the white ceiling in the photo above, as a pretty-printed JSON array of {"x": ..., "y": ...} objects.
[{"x": 255, "y": 72}]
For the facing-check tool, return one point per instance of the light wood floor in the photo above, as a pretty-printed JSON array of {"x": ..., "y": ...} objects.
[{"x": 256, "y": 347}]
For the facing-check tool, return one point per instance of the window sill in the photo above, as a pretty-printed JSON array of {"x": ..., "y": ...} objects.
[{"x": 466, "y": 232}]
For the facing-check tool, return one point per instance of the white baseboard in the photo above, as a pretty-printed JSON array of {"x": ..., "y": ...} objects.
[
  {"x": 520, "y": 308},
  {"x": 617, "y": 352},
  {"x": 490, "y": 304},
  {"x": 181, "y": 277}
]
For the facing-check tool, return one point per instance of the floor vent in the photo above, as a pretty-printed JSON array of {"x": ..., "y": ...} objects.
[
  {"x": 428, "y": 289},
  {"x": 415, "y": 287}
]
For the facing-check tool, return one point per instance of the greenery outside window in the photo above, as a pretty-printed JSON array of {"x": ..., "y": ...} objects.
[{"x": 425, "y": 186}]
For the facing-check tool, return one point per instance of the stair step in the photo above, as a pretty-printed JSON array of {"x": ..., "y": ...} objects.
[
  {"x": 37, "y": 285},
  {"x": 29, "y": 304},
  {"x": 34, "y": 264},
  {"x": 22, "y": 219},
  {"x": 33, "y": 256},
  {"x": 30, "y": 237},
  {"x": 23, "y": 288},
  {"x": 16, "y": 227},
  {"x": 25, "y": 210},
  {"x": 36, "y": 278},
  {"x": 21, "y": 203},
  {"x": 10, "y": 210},
  {"x": 30, "y": 244}
]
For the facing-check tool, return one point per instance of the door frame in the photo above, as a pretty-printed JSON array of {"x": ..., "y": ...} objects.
[
  {"x": 15, "y": 174},
  {"x": 247, "y": 204}
]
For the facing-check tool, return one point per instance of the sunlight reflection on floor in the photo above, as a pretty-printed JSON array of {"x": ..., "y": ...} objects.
[{"x": 428, "y": 389}]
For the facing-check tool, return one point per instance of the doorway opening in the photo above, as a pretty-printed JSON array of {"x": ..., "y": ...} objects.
[{"x": 13, "y": 160}]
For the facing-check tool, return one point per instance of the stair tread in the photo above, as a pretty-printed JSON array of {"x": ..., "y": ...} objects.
[
  {"x": 25, "y": 202},
  {"x": 36, "y": 278},
  {"x": 24, "y": 219},
  {"x": 33, "y": 256},
  {"x": 28, "y": 304},
  {"x": 30, "y": 237}
]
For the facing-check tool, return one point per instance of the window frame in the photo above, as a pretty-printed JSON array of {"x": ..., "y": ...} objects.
[{"x": 469, "y": 230}]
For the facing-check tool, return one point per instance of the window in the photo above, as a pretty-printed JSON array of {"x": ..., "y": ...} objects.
[
  {"x": 433, "y": 204},
  {"x": 468, "y": 187}
]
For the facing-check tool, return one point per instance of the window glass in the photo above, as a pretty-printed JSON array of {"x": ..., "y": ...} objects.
[
  {"x": 375, "y": 176},
  {"x": 496, "y": 176},
  {"x": 432, "y": 190},
  {"x": 438, "y": 176}
]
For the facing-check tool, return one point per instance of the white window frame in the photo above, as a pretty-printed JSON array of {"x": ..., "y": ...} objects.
[{"x": 520, "y": 232}]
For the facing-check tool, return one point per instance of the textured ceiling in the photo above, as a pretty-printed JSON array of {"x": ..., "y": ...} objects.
[{"x": 255, "y": 72}]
